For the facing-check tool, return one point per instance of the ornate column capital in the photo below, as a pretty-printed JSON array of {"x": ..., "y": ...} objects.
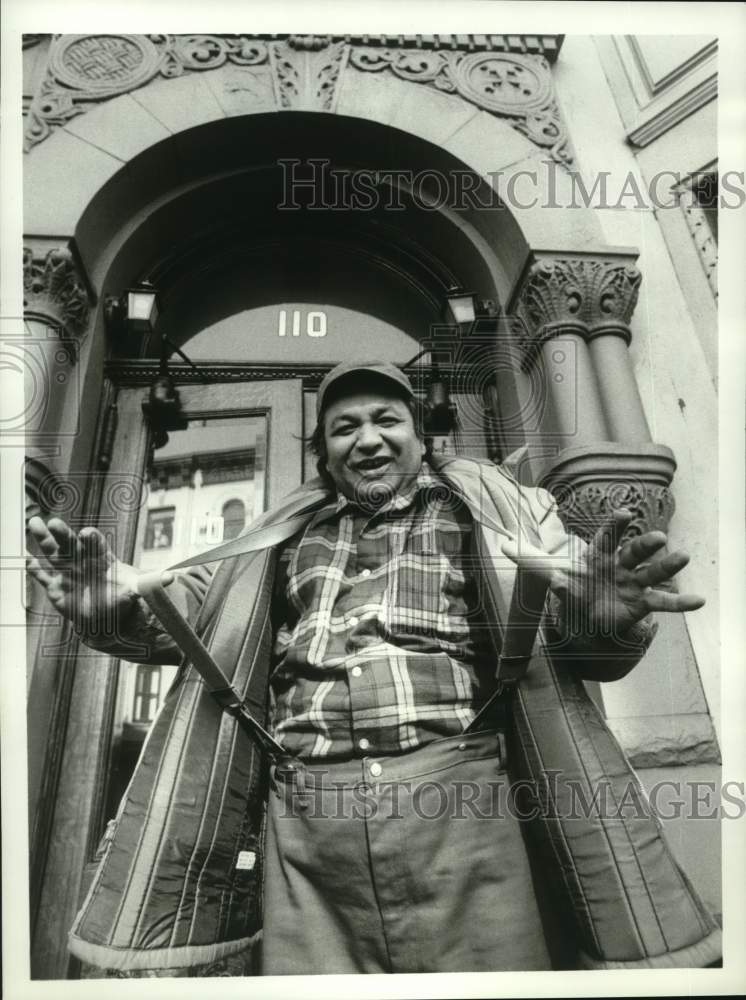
[
  {"x": 585, "y": 293},
  {"x": 53, "y": 291},
  {"x": 589, "y": 483}
]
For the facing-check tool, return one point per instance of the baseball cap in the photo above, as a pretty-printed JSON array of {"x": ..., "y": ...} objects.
[{"x": 379, "y": 369}]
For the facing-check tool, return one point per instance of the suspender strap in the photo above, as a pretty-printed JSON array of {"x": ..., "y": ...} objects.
[
  {"x": 251, "y": 541},
  {"x": 518, "y": 523},
  {"x": 524, "y": 618},
  {"x": 151, "y": 589}
]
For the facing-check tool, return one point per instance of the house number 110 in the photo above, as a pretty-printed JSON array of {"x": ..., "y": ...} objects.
[{"x": 315, "y": 323}]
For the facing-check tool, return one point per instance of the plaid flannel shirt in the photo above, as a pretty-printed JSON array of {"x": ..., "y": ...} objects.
[{"x": 380, "y": 645}]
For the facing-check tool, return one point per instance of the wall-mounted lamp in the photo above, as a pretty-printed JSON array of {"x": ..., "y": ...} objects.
[
  {"x": 135, "y": 311},
  {"x": 460, "y": 307}
]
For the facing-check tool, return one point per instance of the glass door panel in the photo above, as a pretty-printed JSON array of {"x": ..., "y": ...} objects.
[{"x": 202, "y": 487}]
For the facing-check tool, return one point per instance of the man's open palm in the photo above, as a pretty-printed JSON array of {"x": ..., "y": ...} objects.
[
  {"x": 83, "y": 579},
  {"x": 609, "y": 587}
]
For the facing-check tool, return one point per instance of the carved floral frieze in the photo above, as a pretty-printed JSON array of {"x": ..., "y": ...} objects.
[
  {"x": 508, "y": 85},
  {"x": 591, "y": 482},
  {"x": 585, "y": 507},
  {"x": 305, "y": 72},
  {"x": 53, "y": 290}
]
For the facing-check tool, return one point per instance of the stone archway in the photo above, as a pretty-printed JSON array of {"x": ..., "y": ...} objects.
[
  {"x": 485, "y": 103},
  {"x": 192, "y": 118}
]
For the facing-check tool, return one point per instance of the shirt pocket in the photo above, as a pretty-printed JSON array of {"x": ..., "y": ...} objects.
[{"x": 416, "y": 597}]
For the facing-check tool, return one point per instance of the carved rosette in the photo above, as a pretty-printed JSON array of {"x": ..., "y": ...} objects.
[
  {"x": 586, "y": 295},
  {"x": 589, "y": 483},
  {"x": 53, "y": 291},
  {"x": 511, "y": 86},
  {"x": 305, "y": 71},
  {"x": 87, "y": 68}
]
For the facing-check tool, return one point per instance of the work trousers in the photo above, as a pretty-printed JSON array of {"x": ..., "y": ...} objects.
[{"x": 408, "y": 863}]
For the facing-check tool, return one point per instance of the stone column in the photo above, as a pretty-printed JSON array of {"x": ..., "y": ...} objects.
[
  {"x": 575, "y": 310},
  {"x": 658, "y": 713},
  {"x": 56, "y": 311}
]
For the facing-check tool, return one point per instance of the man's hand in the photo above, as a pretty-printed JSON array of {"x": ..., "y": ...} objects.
[
  {"x": 609, "y": 587},
  {"x": 83, "y": 579},
  {"x": 618, "y": 584}
]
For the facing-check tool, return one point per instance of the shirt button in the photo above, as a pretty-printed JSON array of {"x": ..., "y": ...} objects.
[
  {"x": 353, "y": 621},
  {"x": 357, "y": 671},
  {"x": 363, "y": 743},
  {"x": 375, "y": 769},
  {"x": 365, "y": 572}
]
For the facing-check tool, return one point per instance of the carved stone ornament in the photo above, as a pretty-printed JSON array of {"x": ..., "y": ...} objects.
[
  {"x": 508, "y": 85},
  {"x": 589, "y": 483},
  {"x": 305, "y": 72},
  {"x": 103, "y": 64},
  {"x": 84, "y": 69},
  {"x": 586, "y": 295},
  {"x": 309, "y": 43},
  {"x": 53, "y": 291},
  {"x": 306, "y": 77}
]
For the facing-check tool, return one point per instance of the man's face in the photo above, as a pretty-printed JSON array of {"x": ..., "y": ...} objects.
[{"x": 372, "y": 446}]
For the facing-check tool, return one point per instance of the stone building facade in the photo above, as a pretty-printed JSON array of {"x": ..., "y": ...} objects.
[{"x": 301, "y": 199}]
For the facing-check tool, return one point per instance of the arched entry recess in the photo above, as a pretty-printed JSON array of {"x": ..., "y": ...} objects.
[{"x": 193, "y": 212}]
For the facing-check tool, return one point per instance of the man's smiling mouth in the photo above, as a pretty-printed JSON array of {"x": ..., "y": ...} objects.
[{"x": 372, "y": 464}]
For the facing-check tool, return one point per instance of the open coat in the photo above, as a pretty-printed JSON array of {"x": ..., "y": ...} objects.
[{"x": 168, "y": 893}]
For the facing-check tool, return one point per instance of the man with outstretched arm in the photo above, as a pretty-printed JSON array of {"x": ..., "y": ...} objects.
[{"x": 386, "y": 622}]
